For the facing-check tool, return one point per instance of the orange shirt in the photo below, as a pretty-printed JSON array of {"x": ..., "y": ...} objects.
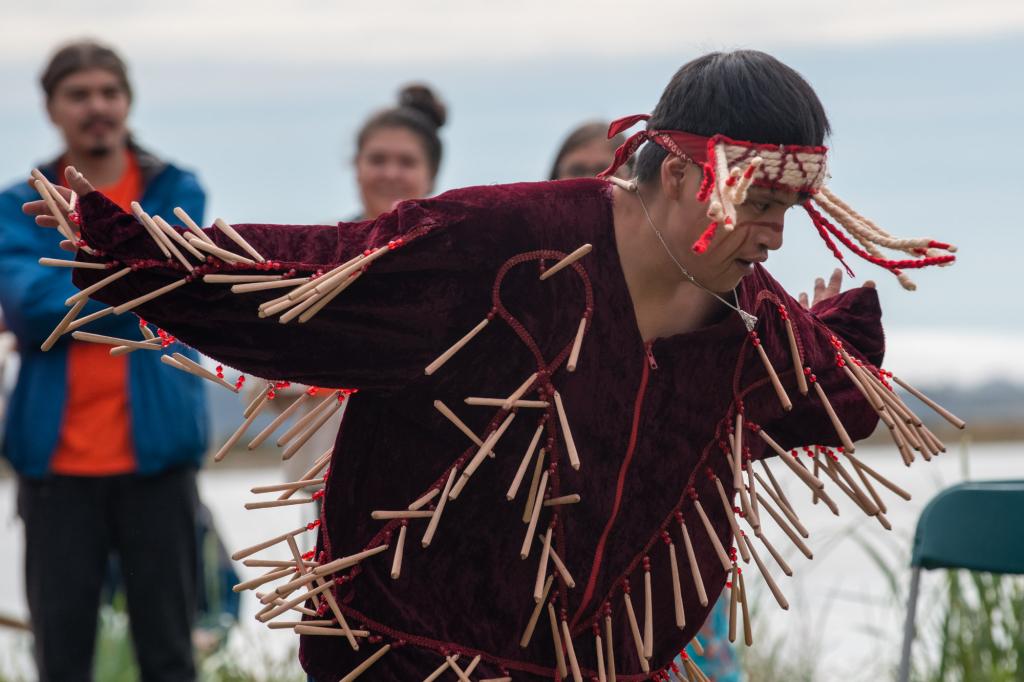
[{"x": 95, "y": 437}]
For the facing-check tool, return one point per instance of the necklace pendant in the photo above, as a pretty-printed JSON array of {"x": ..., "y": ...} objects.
[{"x": 750, "y": 321}]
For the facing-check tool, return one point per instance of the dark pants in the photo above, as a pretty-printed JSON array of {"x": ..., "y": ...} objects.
[{"x": 72, "y": 525}]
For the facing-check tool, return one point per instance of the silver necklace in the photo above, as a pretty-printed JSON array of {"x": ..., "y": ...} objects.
[{"x": 749, "y": 321}]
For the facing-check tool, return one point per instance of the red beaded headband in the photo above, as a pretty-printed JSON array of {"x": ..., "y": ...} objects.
[{"x": 731, "y": 166}]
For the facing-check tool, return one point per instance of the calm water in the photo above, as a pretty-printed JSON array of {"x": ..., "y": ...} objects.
[{"x": 840, "y": 604}]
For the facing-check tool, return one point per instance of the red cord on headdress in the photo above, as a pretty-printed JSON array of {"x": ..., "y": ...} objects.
[{"x": 893, "y": 266}]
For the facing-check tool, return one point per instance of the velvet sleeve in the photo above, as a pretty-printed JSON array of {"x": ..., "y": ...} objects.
[
  {"x": 378, "y": 334},
  {"x": 854, "y": 316}
]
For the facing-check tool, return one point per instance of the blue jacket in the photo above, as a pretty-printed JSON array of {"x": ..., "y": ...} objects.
[{"x": 167, "y": 407}]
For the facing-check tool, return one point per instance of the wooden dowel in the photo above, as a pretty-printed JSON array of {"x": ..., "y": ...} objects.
[
  {"x": 837, "y": 423},
  {"x": 542, "y": 567},
  {"x": 300, "y": 566},
  {"x": 562, "y": 499},
  {"x": 365, "y": 665},
  {"x": 677, "y": 588},
  {"x": 570, "y": 444},
  {"x": 223, "y": 254},
  {"x": 775, "y": 554},
  {"x": 176, "y": 237},
  {"x": 784, "y": 400},
  {"x": 199, "y": 370},
  {"x": 439, "y": 670},
  {"x": 304, "y": 628},
  {"x": 938, "y": 409},
  {"x": 264, "y": 285},
  {"x": 737, "y": 452},
  {"x": 348, "y": 561},
  {"x": 895, "y": 489},
  {"x": 610, "y": 649},
  {"x": 321, "y": 462},
  {"x": 239, "y": 432},
  {"x": 481, "y": 455},
  {"x": 269, "y": 563},
  {"x": 428, "y": 536},
  {"x": 786, "y": 509},
  {"x": 233, "y": 235},
  {"x": 748, "y": 508},
  {"x": 524, "y": 463},
  {"x": 534, "y": 516},
  {"x": 567, "y": 261},
  {"x": 748, "y": 633},
  {"x": 295, "y": 601},
  {"x": 715, "y": 542},
  {"x": 120, "y": 343},
  {"x": 247, "y": 279},
  {"x": 278, "y": 420},
  {"x": 501, "y": 402},
  {"x": 772, "y": 585},
  {"x": 91, "y": 317},
  {"x": 320, "y": 304},
  {"x": 305, "y": 420},
  {"x": 145, "y": 298},
  {"x": 463, "y": 675},
  {"x": 43, "y": 188},
  {"x": 635, "y": 630},
  {"x": 798, "y": 363},
  {"x": 734, "y": 590},
  {"x": 510, "y": 402},
  {"x": 396, "y": 563},
  {"x": 380, "y": 515},
  {"x": 802, "y": 473},
  {"x": 424, "y": 499},
  {"x": 455, "y": 348},
  {"x": 267, "y": 577},
  {"x": 599, "y": 656},
  {"x": 63, "y": 326},
  {"x": 691, "y": 556},
  {"x": 574, "y": 354},
  {"x": 290, "y": 624},
  {"x": 780, "y": 495},
  {"x": 648, "y": 616},
  {"x": 304, "y": 437},
  {"x": 187, "y": 221},
  {"x": 291, "y": 485},
  {"x": 786, "y": 529},
  {"x": 243, "y": 553},
  {"x": 155, "y": 233},
  {"x": 531, "y": 495},
  {"x": 271, "y": 504},
  {"x": 730, "y": 516},
  {"x": 559, "y": 565},
  {"x": 96, "y": 286},
  {"x": 557, "y": 639},
  {"x": 570, "y": 650},
  {"x": 451, "y": 416},
  {"x": 276, "y": 305},
  {"x": 531, "y": 624},
  {"x": 57, "y": 196},
  {"x": 60, "y": 263}
]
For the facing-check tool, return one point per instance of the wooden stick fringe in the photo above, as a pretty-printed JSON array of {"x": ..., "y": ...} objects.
[{"x": 567, "y": 261}]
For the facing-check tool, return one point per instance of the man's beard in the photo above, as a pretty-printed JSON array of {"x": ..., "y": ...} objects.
[{"x": 99, "y": 150}]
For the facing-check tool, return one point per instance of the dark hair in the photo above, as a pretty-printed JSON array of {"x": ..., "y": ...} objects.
[
  {"x": 746, "y": 95},
  {"x": 420, "y": 111},
  {"x": 581, "y": 136},
  {"x": 80, "y": 56}
]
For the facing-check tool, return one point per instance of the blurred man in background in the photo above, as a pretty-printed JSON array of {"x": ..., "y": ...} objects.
[{"x": 105, "y": 448}]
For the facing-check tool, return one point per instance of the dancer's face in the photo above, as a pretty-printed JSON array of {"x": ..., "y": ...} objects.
[
  {"x": 90, "y": 108},
  {"x": 392, "y": 166},
  {"x": 731, "y": 255}
]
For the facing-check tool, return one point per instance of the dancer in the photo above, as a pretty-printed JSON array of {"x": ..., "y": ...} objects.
[{"x": 566, "y": 391}]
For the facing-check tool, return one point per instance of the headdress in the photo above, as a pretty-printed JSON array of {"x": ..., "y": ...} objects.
[{"x": 731, "y": 167}]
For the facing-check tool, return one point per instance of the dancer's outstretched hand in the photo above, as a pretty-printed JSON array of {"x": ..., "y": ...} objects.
[
  {"x": 77, "y": 183},
  {"x": 823, "y": 291}
]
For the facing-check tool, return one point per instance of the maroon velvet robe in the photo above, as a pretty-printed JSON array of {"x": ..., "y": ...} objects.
[{"x": 646, "y": 418}]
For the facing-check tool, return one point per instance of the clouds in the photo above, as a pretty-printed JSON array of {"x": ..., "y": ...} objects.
[{"x": 305, "y": 31}]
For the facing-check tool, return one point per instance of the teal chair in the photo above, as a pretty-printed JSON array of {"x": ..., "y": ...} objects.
[{"x": 974, "y": 525}]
